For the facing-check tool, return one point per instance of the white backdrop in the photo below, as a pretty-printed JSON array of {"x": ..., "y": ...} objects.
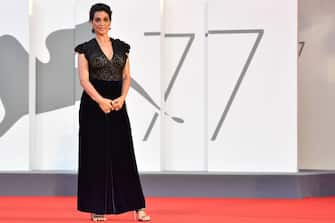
[
  {"x": 259, "y": 132},
  {"x": 14, "y": 34},
  {"x": 183, "y": 69},
  {"x": 183, "y": 58}
]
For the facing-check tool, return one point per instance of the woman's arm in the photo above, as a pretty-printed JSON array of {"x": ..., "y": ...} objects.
[
  {"x": 126, "y": 79},
  {"x": 104, "y": 103},
  {"x": 118, "y": 102}
]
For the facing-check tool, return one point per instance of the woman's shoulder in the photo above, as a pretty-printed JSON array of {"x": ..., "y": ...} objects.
[
  {"x": 121, "y": 44},
  {"x": 83, "y": 46}
]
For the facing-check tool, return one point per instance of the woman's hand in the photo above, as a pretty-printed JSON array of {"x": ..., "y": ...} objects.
[
  {"x": 106, "y": 105},
  {"x": 118, "y": 103}
]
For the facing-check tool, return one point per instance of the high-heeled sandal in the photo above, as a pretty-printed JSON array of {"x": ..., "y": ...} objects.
[
  {"x": 98, "y": 217},
  {"x": 140, "y": 215}
]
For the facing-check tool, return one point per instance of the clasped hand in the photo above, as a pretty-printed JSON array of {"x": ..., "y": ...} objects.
[{"x": 107, "y": 105}]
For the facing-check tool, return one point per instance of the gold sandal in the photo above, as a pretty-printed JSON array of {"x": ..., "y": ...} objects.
[
  {"x": 140, "y": 215},
  {"x": 98, "y": 217}
]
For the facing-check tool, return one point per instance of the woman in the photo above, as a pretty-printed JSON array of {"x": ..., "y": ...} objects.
[{"x": 108, "y": 179}]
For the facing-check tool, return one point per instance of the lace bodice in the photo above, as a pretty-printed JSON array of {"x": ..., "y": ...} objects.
[{"x": 100, "y": 67}]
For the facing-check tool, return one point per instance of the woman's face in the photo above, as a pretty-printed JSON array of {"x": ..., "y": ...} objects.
[{"x": 101, "y": 22}]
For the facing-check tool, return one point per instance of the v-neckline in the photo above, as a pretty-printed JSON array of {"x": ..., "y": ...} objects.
[{"x": 100, "y": 49}]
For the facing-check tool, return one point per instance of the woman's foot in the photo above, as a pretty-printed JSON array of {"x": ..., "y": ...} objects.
[
  {"x": 98, "y": 217},
  {"x": 140, "y": 215}
]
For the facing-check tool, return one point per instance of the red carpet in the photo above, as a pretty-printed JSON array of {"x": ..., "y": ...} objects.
[{"x": 188, "y": 210}]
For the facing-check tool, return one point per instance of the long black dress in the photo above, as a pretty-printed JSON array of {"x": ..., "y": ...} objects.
[{"x": 108, "y": 179}]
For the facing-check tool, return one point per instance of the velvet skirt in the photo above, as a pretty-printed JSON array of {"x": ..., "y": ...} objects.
[{"x": 108, "y": 181}]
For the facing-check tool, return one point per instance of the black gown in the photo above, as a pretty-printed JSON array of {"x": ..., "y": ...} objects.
[{"x": 108, "y": 179}]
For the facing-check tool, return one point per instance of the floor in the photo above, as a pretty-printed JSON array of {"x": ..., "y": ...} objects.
[{"x": 163, "y": 210}]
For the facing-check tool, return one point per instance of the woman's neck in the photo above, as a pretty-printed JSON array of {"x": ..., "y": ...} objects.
[{"x": 102, "y": 38}]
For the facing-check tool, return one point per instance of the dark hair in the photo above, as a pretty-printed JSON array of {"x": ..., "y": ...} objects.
[{"x": 100, "y": 7}]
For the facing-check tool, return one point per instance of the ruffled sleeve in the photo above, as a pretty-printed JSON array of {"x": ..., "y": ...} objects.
[
  {"x": 123, "y": 46},
  {"x": 126, "y": 47},
  {"x": 80, "y": 48}
]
